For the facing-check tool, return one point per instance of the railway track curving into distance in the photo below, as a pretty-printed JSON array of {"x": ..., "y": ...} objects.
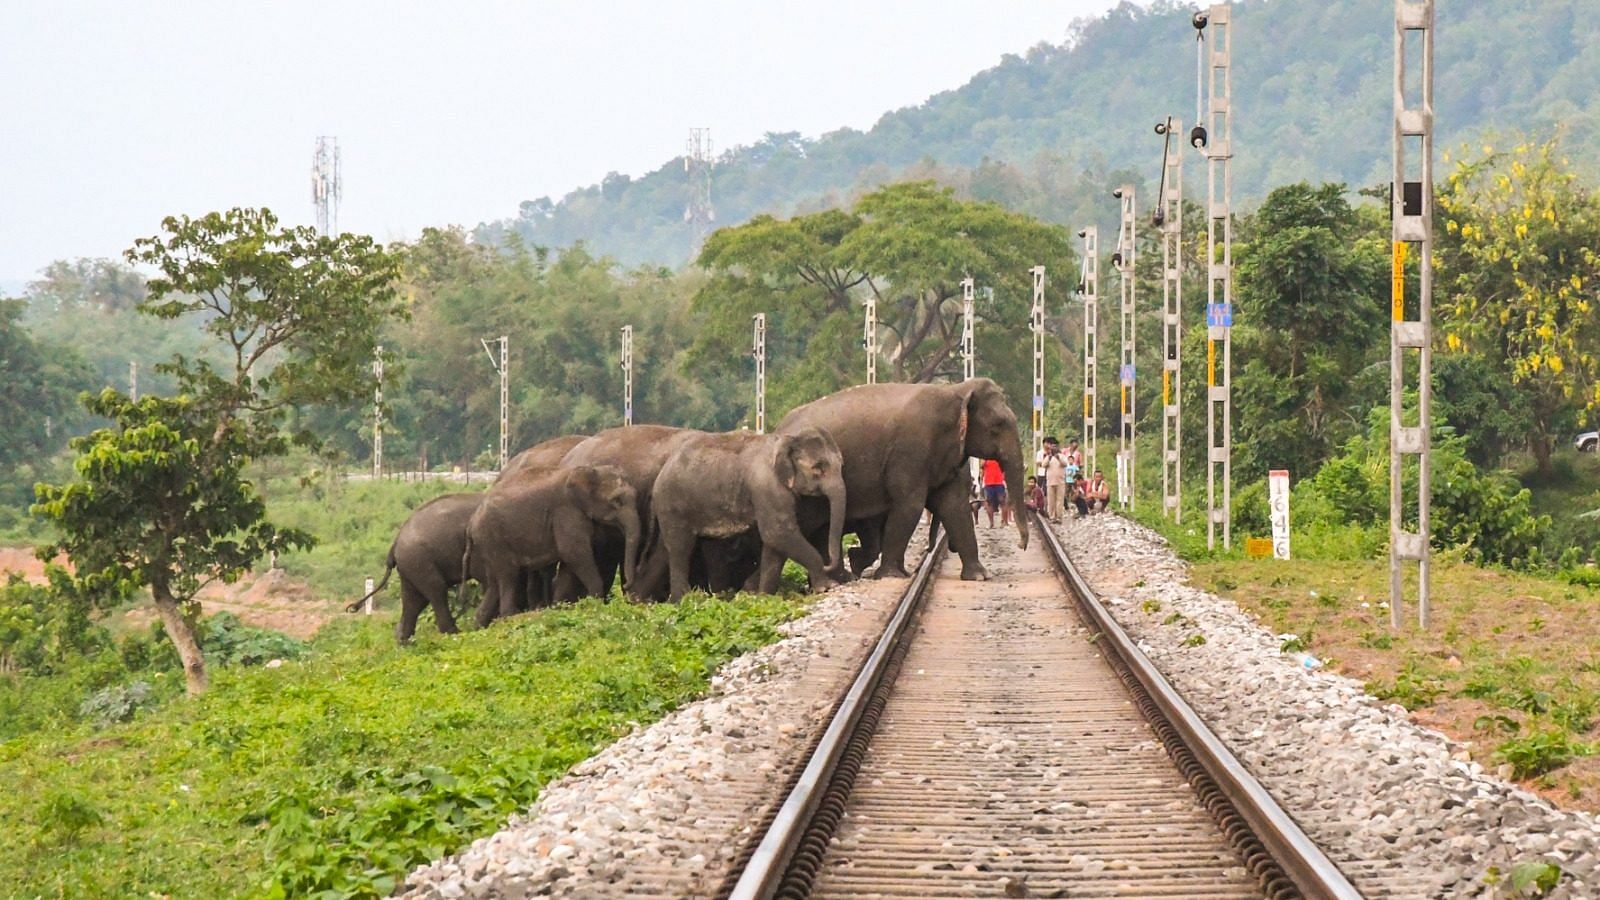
[{"x": 1007, "y": 738}]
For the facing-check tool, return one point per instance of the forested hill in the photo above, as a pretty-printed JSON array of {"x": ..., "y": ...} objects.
[{"x": 1051, "y": 132}]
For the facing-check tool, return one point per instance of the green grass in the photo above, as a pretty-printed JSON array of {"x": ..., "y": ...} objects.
[
  {"x": 353, "y": 522},
  {"x": 342, "y": 772},
  {"x": 1573, "y": 489}
]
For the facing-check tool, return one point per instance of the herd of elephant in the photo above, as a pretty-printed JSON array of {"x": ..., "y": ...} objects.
[{"x": 674, "y": 508}]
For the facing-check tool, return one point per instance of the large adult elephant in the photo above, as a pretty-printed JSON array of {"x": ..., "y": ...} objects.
[
  {"x": 427, "y": 553},
  {"x": 543, "y": 455},
  {"x": 539, "y": 586},
  {"x": 726, "y": 485},
  {"x": 540, "y": 517},
  {"x": 905, "y": 449}
]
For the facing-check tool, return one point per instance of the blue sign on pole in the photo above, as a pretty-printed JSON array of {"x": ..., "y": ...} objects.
[
  {"x": 1127, "y": 375},
  {"x": 1219, "y": 314},
  {"x": 1038, "y": 401}
]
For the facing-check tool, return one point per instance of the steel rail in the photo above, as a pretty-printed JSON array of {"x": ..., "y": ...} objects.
[
  {"x": 764, "y": 874},
  {"x": 1313, "y": 874}
]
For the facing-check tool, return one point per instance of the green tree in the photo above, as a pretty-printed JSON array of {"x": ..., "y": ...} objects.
[
  {"x": 908, "y": 246},
  {"x": 160, "y": 499},
  {"x": 1309, "y": 275},
  {"x": 1519, "y": 264},
  {"x": 38, "y": 381}
]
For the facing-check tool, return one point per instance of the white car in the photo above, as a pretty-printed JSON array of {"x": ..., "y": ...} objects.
[{"x": 1588, "y": 442}]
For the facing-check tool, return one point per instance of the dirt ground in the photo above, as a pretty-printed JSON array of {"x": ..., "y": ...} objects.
[
  {"x": 263, "y": 599},
  {"x": 1510, "y": 663}
]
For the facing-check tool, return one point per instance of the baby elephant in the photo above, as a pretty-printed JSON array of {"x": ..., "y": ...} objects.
[
  {"x": 722, "y": 485},
  {"x": 427, "y": 553},
  {"x": 539, "y": 517}
]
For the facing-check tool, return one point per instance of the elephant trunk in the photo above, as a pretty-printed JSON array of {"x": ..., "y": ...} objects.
[
  {"x": 836, "y": 511},
  {"x": 630, "y": 545},
  {"x": 1015, "y": 469}
]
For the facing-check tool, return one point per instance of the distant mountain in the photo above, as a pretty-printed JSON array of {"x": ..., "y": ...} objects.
[{"x": 1052, "y": 131}]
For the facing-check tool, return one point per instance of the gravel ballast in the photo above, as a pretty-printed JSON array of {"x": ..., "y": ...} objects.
[
  {"x": 664, "y": 810},
  {"x": 1398, "y": 806}
]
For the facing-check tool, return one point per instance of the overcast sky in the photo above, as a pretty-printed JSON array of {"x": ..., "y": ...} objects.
[{"x": 116, "y": 113}]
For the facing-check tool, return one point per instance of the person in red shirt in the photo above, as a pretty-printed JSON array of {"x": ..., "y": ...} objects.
[{"x": 994, "y": 491}]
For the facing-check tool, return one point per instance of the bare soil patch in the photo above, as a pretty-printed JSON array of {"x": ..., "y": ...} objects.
[{"x": 268, "y": 599}]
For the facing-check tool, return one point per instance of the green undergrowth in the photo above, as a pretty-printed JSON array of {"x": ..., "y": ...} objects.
[
  {"x": 333, "y": 776},
  {"x": 354, "y": 524}
]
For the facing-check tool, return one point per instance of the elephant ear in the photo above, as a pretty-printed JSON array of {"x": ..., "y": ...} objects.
[
  {"x": 583, "y": 485},
  {"x": 783, "y": 460}
]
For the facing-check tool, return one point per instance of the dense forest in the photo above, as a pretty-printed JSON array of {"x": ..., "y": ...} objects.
[{"x": 1052, "y": 131}]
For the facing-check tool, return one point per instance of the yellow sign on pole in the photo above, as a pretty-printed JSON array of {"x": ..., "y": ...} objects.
[
  {"x": 1211, "y": 363},
  {"x": 1399, "y": 281}
]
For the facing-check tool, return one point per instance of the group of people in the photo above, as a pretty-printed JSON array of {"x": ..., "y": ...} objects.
[{"x": 1059, "y": 479}]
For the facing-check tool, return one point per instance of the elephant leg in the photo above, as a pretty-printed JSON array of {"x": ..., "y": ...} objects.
[
  {"x": 771, "y": 571},
  {"x": 442, "y": 616},
  {"x": 785, "y": 540},
  {"x": 566, "y": 588},
  {"x": 652, "y": 575},
  {"x": 488, "y": 608},
  {"x": 504, "y": 586},
  {"x": 897, "y": 529},
  {"x": 949, "y": 505},
  {"x": 574, "y": 536},
  {"x": 412, "y": 601},
  {"x": 678, "y": 545},
  {"x": 870, "y": 533},
  {"x": 608, "y": 562}
]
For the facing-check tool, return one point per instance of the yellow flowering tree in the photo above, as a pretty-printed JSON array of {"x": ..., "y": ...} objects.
[{"x": 1518, "y": 270}]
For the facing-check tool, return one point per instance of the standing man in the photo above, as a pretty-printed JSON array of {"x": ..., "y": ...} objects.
[
  {"x": 994, "y": 491},
  {"x": 1055, "y": 478},
  {"x": 1039, "y": 458}
]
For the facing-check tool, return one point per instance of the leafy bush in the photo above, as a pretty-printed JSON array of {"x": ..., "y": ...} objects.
[
  {"x": 229, "y": 642},
  {"x": 1484, "y": 513},
  {"x": 1538, "y": 753},
  {"x": 117, "y": 703},
  {"x": 334, "y": 777}
]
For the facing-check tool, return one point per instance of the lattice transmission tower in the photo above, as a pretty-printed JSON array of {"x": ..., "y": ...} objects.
[
  {"x": 327, "y": 184},
  {"x": 699, "y": 212}
]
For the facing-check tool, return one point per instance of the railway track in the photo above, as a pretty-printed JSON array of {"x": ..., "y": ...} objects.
[{"x": 1006, "y": 738}]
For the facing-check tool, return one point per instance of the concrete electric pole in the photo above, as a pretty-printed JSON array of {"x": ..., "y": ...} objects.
[
  {"x": 1089, "y": 289},
  {"x": 1169, "y": 218},
  {"x": 1412, "y": 218},
  {"x": 627, "y": 375}
]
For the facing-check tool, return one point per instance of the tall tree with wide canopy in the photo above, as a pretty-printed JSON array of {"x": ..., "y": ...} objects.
[
  {"x": 907, "y": 245},
  {"x": 1310, "y": 273},
  {"x": 160, "y": 499},
  {"x": 1519, "y": 267}
]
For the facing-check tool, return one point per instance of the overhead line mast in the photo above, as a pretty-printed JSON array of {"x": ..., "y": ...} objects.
[
  {"x": 1124, "y": 261},
  {"x": 1089, "y": 289},
  {"x": 1214, "y": 137},
  {"x": 1412, "y": 216},
  {"x": 1169, "y": 218}
]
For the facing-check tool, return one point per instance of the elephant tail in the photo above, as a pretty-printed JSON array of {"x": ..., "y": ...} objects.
[{"x": 389, "y": 570}]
